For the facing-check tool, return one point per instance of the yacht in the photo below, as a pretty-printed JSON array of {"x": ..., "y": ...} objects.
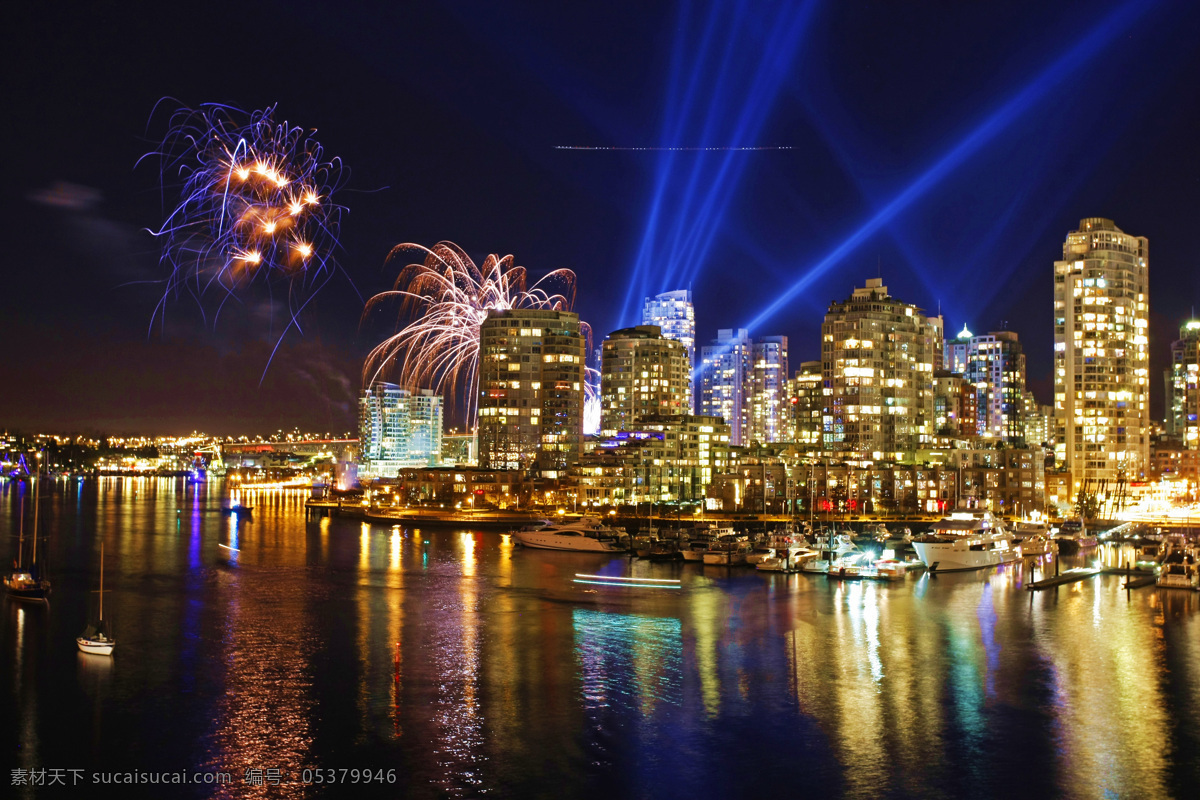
[
  {"x": 1034, "y": 538},
  {"x": 787, "y": 559},
  {"x": 965, "y": 540},
  {"x": 587, "y": 534},
  {"x": 1179, "y": 569},
  {"x": 727, "y": 550},
  {"x": 1073, "y": 536}
]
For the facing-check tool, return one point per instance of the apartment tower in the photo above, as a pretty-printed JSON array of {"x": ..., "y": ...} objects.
[
  {"x": 1101, "y": 354},
  {"x": 530, "y": 390}
]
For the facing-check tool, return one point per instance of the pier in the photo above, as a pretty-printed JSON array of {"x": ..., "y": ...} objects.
[{"x": 1144, "y": 578}]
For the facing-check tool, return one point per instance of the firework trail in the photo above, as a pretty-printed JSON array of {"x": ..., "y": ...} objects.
[
  {"x": 254, "y": 207},
  {"x": 447, "y": 297}
]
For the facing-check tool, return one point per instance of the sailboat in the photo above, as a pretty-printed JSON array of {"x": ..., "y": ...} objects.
[
  {"x": 93, "y": 639},
  {"x": 27, "y": 583}
]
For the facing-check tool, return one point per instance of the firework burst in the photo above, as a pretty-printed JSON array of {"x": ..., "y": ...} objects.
[
  {"x": 254, "y": 207},
  {"x": 445, "y": 298}
]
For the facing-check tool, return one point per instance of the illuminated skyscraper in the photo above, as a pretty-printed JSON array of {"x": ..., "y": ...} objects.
[
  {"x": 878, "y": 356},
  {"x": 675, "y": 315},
  {"x": 1101, "y": 357},
  {"x": 1183, "y": 386},
  {"x": 994, "y": 364},
  {"x": 768, "y": 391},
  {"x": 398, "y": 429},
  {"x": 641, "y": 373},
  {"x": 805, "y": 405},
  {"x": 727, "y": 380},
  {"x": 531, "y": 372}
]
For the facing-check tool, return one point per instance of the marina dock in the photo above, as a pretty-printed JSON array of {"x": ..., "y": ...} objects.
[{"x": 1143, "y": 578}]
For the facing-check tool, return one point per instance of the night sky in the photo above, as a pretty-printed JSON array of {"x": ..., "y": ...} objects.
[{"x": 945, "y": 147}]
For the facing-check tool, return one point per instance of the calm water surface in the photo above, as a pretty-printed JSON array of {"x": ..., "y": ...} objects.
[{"x": 473, "y": 668}]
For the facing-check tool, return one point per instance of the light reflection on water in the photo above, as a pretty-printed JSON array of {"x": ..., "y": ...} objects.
[{"x": 474, "y": 667}]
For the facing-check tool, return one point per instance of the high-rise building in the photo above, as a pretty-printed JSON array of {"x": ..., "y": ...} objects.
[
  {"x": 398, "y": 428},
  {"x": 726, "y": 381},
  {"x": 806, "y": 403},
  {"x": 995, "y": 365},
  {"x": 1183, "y": 387},
  {"x": 878, "y": 356},
  {"x": 1101, "y": 355},
  {"x": 768, "y": 391},
  {"x": 954, "y": 402},
  {"x": 675, "y": 315},
  {"x": 530, "y": 390},
  {"x": 641, "y": 373}
]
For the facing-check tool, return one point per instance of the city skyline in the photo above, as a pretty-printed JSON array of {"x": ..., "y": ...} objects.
[{"x": 927, "y": 158}]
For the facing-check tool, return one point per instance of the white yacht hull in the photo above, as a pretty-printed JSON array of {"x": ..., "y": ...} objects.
[
  {"x": 551, "y": 541},
  {"x": 957, "y": 556}
]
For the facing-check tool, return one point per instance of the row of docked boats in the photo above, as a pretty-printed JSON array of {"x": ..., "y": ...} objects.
[{"x": 965, "y": 540}]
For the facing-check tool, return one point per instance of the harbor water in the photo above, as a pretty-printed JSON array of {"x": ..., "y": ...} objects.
[{"x": 454, "y": 664}]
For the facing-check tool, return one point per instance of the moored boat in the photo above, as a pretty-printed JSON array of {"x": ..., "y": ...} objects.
[
  {"x": 965, "y": 540},
  {"x": 587, "y": 534},
  {"x": 727, "y": 550},
  {"x": 1073, "y": 536},
  {"x": 1179, "y": 569}
]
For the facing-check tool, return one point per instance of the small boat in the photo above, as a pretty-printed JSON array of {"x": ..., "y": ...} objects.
[
  {"x": 787, "y": 559},
  {"x": 886, "y": 569},
  {"x": 1073, "y": 536},
  {"x": 728, "y": 550},
  {"x": 241, "y": 511},
  {"x": 94, "y": 640},
  {"x": 1149, "y": 555},
  {"x": 1037, "y": 545},
  {"x": 759, "y": 552},
  {"x": 1179, "y": 569},
  {"x": 28, "y": 582},
  {"x": 665, "y": 550},
  {"x": 695, "y": 549},
  {"x": 845, "y": 571}
]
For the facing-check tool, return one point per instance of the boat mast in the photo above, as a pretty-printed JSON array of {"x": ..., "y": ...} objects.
[
  {"x": 37, "y": 484},
  {"x": 101, "y": 580},
  {"x": 21, "y": 532}
]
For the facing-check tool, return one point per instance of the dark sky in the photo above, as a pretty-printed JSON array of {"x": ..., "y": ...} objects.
[{"x": 945, "y": 147}]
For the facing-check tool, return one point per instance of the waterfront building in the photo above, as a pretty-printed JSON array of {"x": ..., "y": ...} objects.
[
  {"x": 460, "y": 448},
  {"x": 663, "y": 458},
  {"x": 878, "y": 356},
  {"x": 726, "y": 380},
  {"x": 1183, "y": 387},
  {"x": 675, "y": 316},
  {"x": 641, "y": 373},
  {"x": 768, "y": 391},
  {"x": 994, "y": 364},
  {"x": 1101, "y": 355},
  {"x": 806, "y": 403},
  {"x": 456, "y": 487},
  {"x": 398, "y": 428},
  {"x": 530, "y": 391}
]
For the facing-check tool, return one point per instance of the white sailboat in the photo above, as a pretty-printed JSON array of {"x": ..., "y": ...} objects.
[{"x": 94, "y": 639}]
